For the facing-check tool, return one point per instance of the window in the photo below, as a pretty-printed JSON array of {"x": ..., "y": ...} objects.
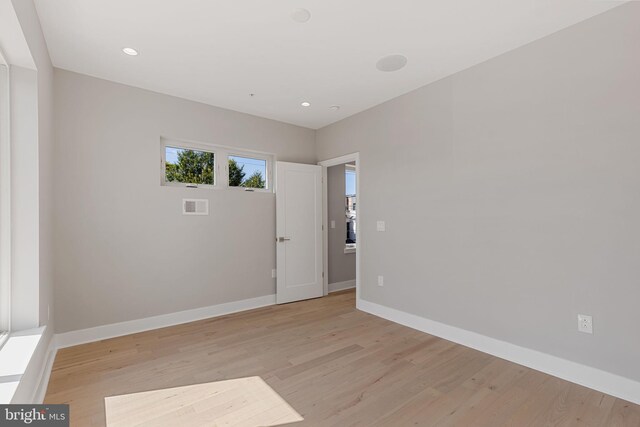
[
  {"x": 188, "y": 166},
  {"x": 350, "y": 206},
  {"x": 5, "y": 226},
  {"x": 199, "y": 165},
  {"x": 247, "y": 172}
]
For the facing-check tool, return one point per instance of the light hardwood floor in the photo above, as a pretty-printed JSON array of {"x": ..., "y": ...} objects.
[{"x": 334, "y": 365}]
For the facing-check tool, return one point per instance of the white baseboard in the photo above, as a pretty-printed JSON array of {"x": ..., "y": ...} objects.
[
  {"x": 341, "y": 286},
  {"x": 587, "y": 376},
  {"x": 68, "y": 339}
]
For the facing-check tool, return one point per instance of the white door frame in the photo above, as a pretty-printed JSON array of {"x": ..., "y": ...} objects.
[{"x": 348, "y": 158}]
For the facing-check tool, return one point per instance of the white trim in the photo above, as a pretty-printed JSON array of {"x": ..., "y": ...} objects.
[
  {"x": 342, "y": 286},
  {"x": 18, "y": 359},
  {"x": 325, "y": 232},
  {"x": 220, "y": 164},
  {"x": 5, "y": 205},
  {"x": 84, "y": 336},
  {"x": 69, "y": 339},
  {"x": 164, "y": 143},
  {"x": 587, "y": 376},
  {"x": 41, "y": 389},
  {"x": 348, "y": 158},
  {"x": 574, "y": 372},
  {"x": 191, "y": 185},
  {"x": 267, "y": 158}
]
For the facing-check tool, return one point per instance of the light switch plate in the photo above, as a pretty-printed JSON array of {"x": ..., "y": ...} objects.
[
  {"x": 380, "y": 226},
  {"x": 333, "y": 223}
]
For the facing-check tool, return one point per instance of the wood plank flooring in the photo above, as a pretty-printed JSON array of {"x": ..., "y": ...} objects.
[
  {"x": 241, "y": 402},
  {"x": 336, "y": 366}
]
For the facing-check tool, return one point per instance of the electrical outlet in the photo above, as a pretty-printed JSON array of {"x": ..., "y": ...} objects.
[
  {"x": 380, "y": 280},
  {"x": 380, "y": 226},
  {"x": 273, "y": 273},
  {"x": 585, "y": 323}
]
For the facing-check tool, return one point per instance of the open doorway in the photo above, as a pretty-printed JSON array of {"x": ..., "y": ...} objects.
[
  {"x": 343, "y": 227},
  {"x": 341, "y": 211}
]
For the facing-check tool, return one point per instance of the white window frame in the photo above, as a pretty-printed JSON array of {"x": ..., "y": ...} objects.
[
  {"x": 5, "y": 205},
  {"x": 220, "y": 168},
  {"x": 256, "y": 156},
  {"x": 187, "y": 146}
]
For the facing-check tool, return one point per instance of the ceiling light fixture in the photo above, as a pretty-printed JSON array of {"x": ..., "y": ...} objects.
[
  {"x": 391, "y": 63},
  {"x": 334, "y": 107},
  {"x": 305, "y": 104},
  {"x": 301, "y": 15},
  {"x": 130, "y": 51}
]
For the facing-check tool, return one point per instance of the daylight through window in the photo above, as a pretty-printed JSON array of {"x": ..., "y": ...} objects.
[
  {"x": 350, "y": 204},
  {"x": 247, "y": 172},
  {"x": 189, "y": 166},
  {"x": 198, "y": 165}
]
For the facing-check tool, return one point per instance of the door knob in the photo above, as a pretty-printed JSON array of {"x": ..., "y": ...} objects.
[{"x": 282, "y": 239}]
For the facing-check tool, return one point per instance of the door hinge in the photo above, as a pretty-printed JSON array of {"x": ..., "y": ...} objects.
[{"x": 323, "y": 274}]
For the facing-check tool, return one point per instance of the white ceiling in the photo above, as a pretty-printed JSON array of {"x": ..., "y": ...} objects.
[{"x": 218, "y": 52}]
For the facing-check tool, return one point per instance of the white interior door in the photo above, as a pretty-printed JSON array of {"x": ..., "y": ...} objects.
[{"x": 299, "y": 231}]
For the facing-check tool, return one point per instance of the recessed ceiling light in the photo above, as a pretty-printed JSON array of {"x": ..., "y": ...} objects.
[
  {"x": 130, "y": 51},
  {"x": 391, "y": 63},
  {"x": 305, "y": 104},
  {"x": 301, "y": 15},
  {"x": 334, "y": 107}
]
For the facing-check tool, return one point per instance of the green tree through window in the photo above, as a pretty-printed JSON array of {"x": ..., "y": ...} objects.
[
  {"x": 236, "y": 174},
  {"x": 189, "y": 166},
  {"x": 192, "y": 167},
  {"x": 254, "y": 181}
]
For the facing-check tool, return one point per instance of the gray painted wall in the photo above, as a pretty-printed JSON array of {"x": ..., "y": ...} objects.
[
  {"x": 124, "y": 250},
  {"x": 511, "y": 194},
  {"x": 342, "y": 267}
]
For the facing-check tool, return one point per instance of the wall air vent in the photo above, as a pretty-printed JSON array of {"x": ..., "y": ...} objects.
[{"x": 195, "y": 207}]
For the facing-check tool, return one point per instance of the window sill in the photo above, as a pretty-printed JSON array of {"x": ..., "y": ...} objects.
[
  {"x": 15, "y": 355},
  {"x": 350, "y": 249},
  {"x": 217, "y": 188},
  {"x": 250, "y": 190}
]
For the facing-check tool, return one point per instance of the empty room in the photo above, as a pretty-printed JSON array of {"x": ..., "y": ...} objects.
[{"x": 319, "y": 213}]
